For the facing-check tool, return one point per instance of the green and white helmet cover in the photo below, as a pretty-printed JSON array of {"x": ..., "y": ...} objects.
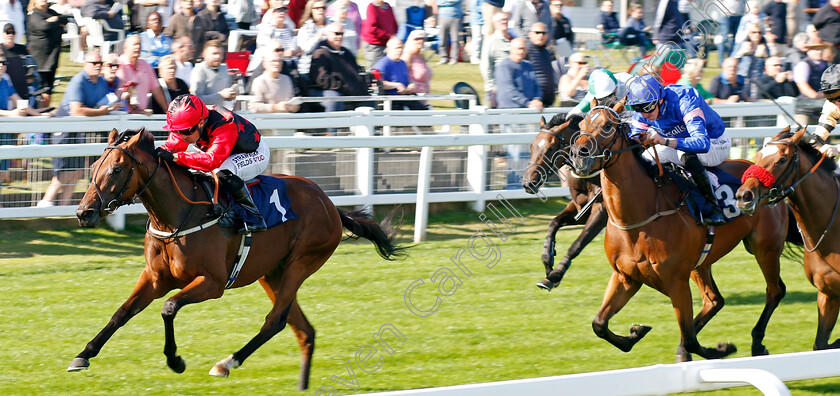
[{"x": 603, "y": 82}]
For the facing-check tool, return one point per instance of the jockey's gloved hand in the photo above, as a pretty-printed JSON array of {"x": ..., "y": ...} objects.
[{"x": 164, "y": 154}]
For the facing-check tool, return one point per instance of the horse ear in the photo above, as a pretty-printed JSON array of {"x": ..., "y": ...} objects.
[
  {"x": 542, "y": 122},
  {"x": 784, "y": 132},
  {"x": 136, "y": 138},
  {"x": 593, "y": 104},
  {"x": 619, "y": 107},
  {"x": 798, "y": 135},
  {"x": 112, "y": 137}
]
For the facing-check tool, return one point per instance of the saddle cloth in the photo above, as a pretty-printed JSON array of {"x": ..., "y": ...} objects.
[
  {"x": 725, "y": 186},
  {"x": 270, "y": 196}
]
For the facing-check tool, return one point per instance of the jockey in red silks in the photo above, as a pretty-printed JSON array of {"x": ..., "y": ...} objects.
[{"x": 230, "y": 147}]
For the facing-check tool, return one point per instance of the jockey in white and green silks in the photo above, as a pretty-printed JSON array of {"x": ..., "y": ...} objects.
[{"x": 602, "y": 84}]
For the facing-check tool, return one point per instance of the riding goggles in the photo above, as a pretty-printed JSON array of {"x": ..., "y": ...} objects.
[
  {"x": 648, "y": 107},
  {"x": 832, "y": 96}
]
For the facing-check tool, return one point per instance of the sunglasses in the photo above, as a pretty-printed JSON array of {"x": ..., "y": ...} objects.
[
  {"x": 535, "y": 32},
  {"x": 319, "y": 8},
  {"x": 187, "y": 132},
  {"x": 2, "y": 62},
  {"x": 112, "y": 65},
  {"x": 338, "y": 33},
  {"x": 278, "y": 50},
  {"x": 648, "y": 107},
  {"x": 7, "y": 32},
  {"x": 96, "y": 63},
  {"x": 833, "y": 96}
]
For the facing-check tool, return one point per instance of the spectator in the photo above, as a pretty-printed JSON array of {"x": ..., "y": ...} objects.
[
  {"x": 692, "y": 75},
  {"x": 140, "y": 75},
  {"x": 419, "y": 73},
  {"x": 394, "y": 73},
  {"x": 488, "y": 10},
  {"x": 729, "y": 23},
  {"x": 347, "y": 12},
  {"x": 563, "y": 35},
  {"x": 753, "y": 16},
  {"x": 144, "y": 8},
  {"x": 278, "y": 30},
  {"x": 496, "y": 48},
  {"x": 516, "y": 78},
  {"x": 171, "y": 86},
  {"x": 153, "y": 42},
  {"x": 83, "y": 97},
  {"x": 16, "y": 55},
  {"x": 378, "y": 26},
  {"x": 11, "y": 11},
  {"x": 272, "y": 89},
  {"x": 268, "y": 16},
  {"x": 540, "y": 57},
  {"x": 807, "y": 73},
  {"x": 341, "y": 12},
  {"x": 110, "y": 65},
  {"x": 183, "y": 24},
  {"x": 244, "y": 13},
  {"x": 573, "y": 84},
  {"x": 827, "y": 23},
  {"x": 105, "y": 10},
  {"x": 312, "y": 23},
  {"x": 184, "y": 52},
  {"x": 213, "y": 23},
  {"x": 776, "y": 82},
  {"x": 813, "y": 35},
  {"x": 334, "y": 70},
  {"x": 728, "y": 86},
  {"x": 9, "y": 95},
  {"x": 450, "y": 14},
  {"x": 296, "y": 8},
  {"x": 607, "y": 22},
  {"x": 751, "y": 55},
  {"x": 776, "y": 11},
  {"x": 668, "y": 27},
  {"x": 636, "y": 32},
  {"x": 45, "y": 30},
  {"x": 210, "y": 80},
  {"x": 797, "y": 51},
  {"x": 476, "y": 28}
]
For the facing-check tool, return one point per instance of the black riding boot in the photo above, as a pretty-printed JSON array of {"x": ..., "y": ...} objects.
[
  {"x": 698, "y": 174},
  {"x": 240, "y": 193}
]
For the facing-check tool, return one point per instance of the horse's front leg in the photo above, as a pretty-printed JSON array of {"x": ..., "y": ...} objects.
[
  {"x": 680, "y": 294},
  {"x": 595, "y": 222},
  {"x": 143, "y": 294},
  {"x": 200, "y": 289},
  {"x": 828, "y": 308},
  {"x": 620, "y": 289},
  {"x": 712, "y": 304}
]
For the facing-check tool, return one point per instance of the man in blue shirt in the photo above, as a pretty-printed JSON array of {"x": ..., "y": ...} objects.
[
  {"x": 86, "y": 90},
  {"x": 686, "y": 129},
  {"x": 394, "y": 74},
  {"x": 517, "y": 81}
]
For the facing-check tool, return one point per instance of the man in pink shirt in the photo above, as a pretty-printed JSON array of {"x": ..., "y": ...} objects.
[
  {"x": 138, "y": 74},
  {"x": 377, "y": 27}
]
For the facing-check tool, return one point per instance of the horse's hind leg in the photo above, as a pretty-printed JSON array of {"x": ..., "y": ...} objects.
[
  {"x": 768, "y": 260},
  {"x": 619, "y": 290},
  {"x": 680, "y": 295},
  {"x": 142, "y": 295},
  {"x": 564, "y": 218},
  {"x": 200, "y": 289},
  {"x": 828, "y": 308},
  {"x": 304, "y": 332},
  {"x": 596, "y": 222}
]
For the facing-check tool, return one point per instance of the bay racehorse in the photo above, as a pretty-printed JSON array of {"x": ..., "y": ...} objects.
[
  {"x": 651, "y": 238},
  {"x": 190, "y": 254},
  {"x": 549, "y": 152},
  {"x": 792, "y": 168}
]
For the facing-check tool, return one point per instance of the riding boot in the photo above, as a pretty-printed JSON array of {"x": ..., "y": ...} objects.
[
  {"x": 698, "y": 174},
  {"x": 240, "y": 193}
]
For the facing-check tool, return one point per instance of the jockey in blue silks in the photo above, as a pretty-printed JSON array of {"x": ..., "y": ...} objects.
[{"x": 684, "y": 128}]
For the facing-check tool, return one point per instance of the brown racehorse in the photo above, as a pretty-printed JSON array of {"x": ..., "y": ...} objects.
[
  {"x": 549, "y": 152},
  {"x": 651, "y": 239},
  {"x": 199, "y": 263},
  {"x": 797, "y": 171}
]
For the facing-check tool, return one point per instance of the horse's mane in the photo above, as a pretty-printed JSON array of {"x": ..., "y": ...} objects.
[
  {"x": 147, "y": 140},
  {"x": 809, "y": 150}
]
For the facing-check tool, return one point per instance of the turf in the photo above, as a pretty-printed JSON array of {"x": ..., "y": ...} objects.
[{"x": 59, "y": 284}]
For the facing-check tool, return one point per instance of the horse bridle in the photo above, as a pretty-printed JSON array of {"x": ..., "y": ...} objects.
[
  {"x": 118, "y": 201},
  {"x": 608, "y": 154}
]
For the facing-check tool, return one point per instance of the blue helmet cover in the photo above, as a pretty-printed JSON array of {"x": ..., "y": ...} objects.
[{"x": 644, "y": 89}]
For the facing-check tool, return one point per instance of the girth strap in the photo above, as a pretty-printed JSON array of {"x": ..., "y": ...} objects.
[
  {"x": 244, "y": 248},
  {"x": 710, "y": 239}
]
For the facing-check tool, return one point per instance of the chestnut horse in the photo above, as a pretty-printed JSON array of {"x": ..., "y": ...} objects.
[
  {"x": 197, "y": 257},
  {"x": 796, "y": 170},
  {"x": 651, "y": 238},
  {"x": 549, "y": 152}
]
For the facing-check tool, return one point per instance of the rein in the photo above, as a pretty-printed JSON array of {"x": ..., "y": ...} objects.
[{"x": 117, "y": 200}]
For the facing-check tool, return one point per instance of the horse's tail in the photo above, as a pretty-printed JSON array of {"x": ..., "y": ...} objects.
[
  {"x": 794, "y": 245},
  {"x": 362, "y": 224}
]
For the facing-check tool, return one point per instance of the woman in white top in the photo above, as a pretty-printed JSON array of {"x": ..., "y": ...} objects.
[{"x": 312, "y": 24}]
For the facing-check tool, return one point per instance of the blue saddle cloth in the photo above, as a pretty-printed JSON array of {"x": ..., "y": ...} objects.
[
  {"x": 725, "y": 192},
  {"x": 270, "y": 196}
]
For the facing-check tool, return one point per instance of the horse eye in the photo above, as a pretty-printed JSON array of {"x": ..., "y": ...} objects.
[
  {"x": 783, "y": 160},
  {"x": 117, "y": 169}
]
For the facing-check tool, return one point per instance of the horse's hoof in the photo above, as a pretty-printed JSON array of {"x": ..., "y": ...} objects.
[
  {"x": 761, "y": 350},
  {"x": 177, "y": 364},
  {"x": 220, "y": 370},
  {"x": 639, "y": 331},
  {"x": 726, "y": 349},
  {"x": 78, "y": 364},
  {"x": 545, "y": 284},
  {"x": 683, "y": 358}
]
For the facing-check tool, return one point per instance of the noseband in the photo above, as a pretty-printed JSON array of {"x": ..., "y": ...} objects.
[
  {"x": 117, "y": 202},
  {"x": 776, "y": 190}
]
